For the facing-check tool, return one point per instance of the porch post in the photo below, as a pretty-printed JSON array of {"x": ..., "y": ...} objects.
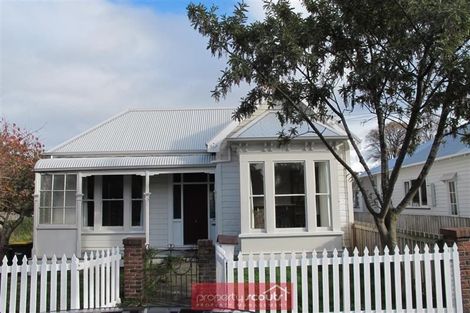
[
  {"x": 78, "y": 211},
  {"x": 37, "y": 187},
  {"x": 147, "y": 208}
]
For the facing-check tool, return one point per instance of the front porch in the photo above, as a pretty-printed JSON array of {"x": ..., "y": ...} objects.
[{"x": 82, "y": 211}]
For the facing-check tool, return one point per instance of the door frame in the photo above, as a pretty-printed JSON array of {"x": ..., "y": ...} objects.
[{"x": 176, "y": 226}]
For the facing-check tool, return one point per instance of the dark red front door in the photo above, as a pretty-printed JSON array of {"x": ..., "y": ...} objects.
[{"x": 195, "y": 213}]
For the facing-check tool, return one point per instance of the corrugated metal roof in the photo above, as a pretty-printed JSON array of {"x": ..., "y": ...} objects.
[
  {"x": 268, "y": 126},
  {"x": 137, "y": 131},
  {"x": 452, "y": 146},
  {"x": 58, "y": 164}
]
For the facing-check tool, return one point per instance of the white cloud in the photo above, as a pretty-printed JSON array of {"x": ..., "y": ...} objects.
[
  {"x": 256, "y": 10},
  {"x": 67, "y": 65}
]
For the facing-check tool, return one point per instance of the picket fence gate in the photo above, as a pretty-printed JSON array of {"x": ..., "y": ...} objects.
[
  {"x": 53, "y": 285},
  {"x": 410, "y": 282}
]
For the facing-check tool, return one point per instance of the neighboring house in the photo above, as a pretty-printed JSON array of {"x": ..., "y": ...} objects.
[
  {"x": 446, "y": 190},
  {"x": 176, "y": 176}
]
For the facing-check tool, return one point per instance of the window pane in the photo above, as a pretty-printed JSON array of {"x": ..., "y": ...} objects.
[
  {"x": 137, "y": 187},
  {"x": 323, "y": 211},
  {"x": 257, "y": 212},
  {"x": 46, "y": 182},
  {"x": 290, "y": 211},
  {"x": 58, "y": 215},
  {"x": 415, "y": 201},
  {"x": 289, "y": 178},
  {"x": 45, "y": 199},
  {"x": 136, "y": 213},
  {"x": 70, "y": 198},
  {"x": 58, "y": 182},
  {"x": 211, "y": 177},
  {"x": 58, "y": 199},
  {"x": 71, "y": 182},
  {"x": 69, "y": 215},
  {"x": 176, "y": 178},
  {"x": 88, "y": 214},
  {"x": 407, "y": 187},
  {"x": 45, "y": 215},
  {"x": 195, "y": 177},
  {"x": 113, "y": 187},
  {"x": 257, "y": 178},
  {"x": 424, "y": 195},
  {"x": 113, "y": 213},
  {"x": 176, "y": 201},
  {"x": 322, "y": 177},
  {"x": 89, "y": 189}
]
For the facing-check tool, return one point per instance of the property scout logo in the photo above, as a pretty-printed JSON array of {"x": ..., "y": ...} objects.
[{"x": 241, "y": 296}]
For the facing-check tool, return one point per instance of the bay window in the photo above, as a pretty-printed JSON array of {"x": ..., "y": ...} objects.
[
  {"x": 57, "y": 199},
  {"x": 295, "y": 194},
  {"x": 289, "y": 195}
]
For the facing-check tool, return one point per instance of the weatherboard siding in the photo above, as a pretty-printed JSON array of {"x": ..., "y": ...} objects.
[
  {"x": 159, "y": 207},
  {"x": 230, "y": 196},
  {"x": 459, "y": 165}
]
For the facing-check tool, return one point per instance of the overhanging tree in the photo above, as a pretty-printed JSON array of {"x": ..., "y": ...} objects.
[
  {"x": 19, "y": 151},
  {"x": 400, "y": 60}
]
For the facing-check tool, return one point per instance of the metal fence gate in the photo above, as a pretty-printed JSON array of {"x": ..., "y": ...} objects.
[{"x": 169, "y": 276}]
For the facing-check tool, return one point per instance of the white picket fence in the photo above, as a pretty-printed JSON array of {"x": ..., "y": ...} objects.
[
  {"x": 51, "y": 285},
  {"x": 422, "y": 281}
]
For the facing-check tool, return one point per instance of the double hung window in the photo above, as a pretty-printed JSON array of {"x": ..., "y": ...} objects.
[{"x": 289, "y": 194}]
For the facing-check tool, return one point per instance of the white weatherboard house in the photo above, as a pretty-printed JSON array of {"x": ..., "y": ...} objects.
[
  {"x": 176, "y": 176},
  {"x": 446, "y": 190}
]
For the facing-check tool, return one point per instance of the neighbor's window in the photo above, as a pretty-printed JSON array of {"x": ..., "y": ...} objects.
[
  {"x": 289, "y": 194},
  {"x": 57, "y": 199},
  {"x": 257, "y": 195},
  {"x": 88, "y": 187},
  {"x": 323, "y": 194},
  {"x": 454, "y": 209},
  {"x": 113, "y": 200},
  {"x": 137, "y": 199},
  {"x": 420, "y": 198}
]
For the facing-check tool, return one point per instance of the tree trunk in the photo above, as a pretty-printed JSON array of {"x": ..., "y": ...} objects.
[
  {"x": 388, "y": 230},
  {"x": 3, "y": 246}
]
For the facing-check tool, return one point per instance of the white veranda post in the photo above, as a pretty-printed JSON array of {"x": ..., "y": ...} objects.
[{"x": 147, "y": 207}]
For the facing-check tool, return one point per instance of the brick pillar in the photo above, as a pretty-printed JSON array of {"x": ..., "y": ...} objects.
[
  {"x": 206, "y": 260},
  {"x": 461, "y": 236},
  {"x": 134, "y": 251}
]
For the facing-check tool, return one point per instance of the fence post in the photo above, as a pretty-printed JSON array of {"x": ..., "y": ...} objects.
[
  {"x": 134, "y": 249},
  {"x": 206, "y": 260},
  {"x": 461, "y": 236}
]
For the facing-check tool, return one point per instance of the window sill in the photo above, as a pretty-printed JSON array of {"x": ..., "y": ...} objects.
[
  {"x": 56, "y": 226},
  {"x": 111, "y": 232},
  {"x": 292, "y": 234}
]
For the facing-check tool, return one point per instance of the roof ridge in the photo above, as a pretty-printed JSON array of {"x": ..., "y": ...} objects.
[{"x": 180, "y": 109}]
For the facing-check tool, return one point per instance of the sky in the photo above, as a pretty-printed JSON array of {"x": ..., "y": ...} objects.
[{"x": 66, "y": 65}]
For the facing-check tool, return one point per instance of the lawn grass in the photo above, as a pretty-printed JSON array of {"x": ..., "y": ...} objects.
[{"x": 23, "y": 233}]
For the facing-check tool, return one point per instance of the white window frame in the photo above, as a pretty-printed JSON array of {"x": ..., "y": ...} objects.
[
  {"x": 253, "y": 229},
  {"x": 330, "y": 217},
  {"x": 420, "y": 205},
  {"x": 284, "y": 157},
  {"x": 52, "y": 190},
  {"x": 127, "y": 207},
  {"x": 454, "y": 192},
  {"x": 289, "y": 229}
]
